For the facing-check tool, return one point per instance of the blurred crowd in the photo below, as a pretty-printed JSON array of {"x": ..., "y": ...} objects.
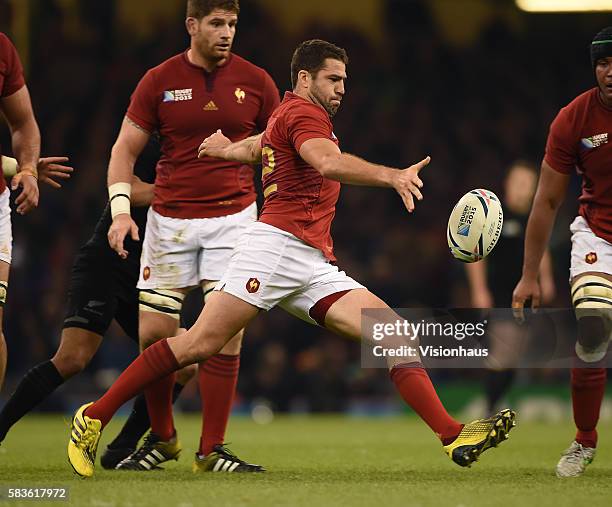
[{"x": 474, "y": 109}]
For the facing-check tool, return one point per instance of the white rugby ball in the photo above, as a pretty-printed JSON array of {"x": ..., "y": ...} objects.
[{"x": 475, "y": 225}]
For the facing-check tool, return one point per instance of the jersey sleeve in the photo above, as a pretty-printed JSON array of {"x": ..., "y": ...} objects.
[
  {"x": 143, "y": 104},
  {"x": 308, "y": 123},
  {"x": 270, "y": 101},
  {"x": 561, "y": 145},
  {"x": 10, "y": 68}
]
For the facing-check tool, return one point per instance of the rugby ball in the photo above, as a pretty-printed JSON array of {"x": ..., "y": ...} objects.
[{"x": 475, "y": 225}]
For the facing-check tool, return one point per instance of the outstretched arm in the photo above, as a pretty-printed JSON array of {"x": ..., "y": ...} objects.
[
  {"x": 247, "y": 151},
  {"x": 326, "y": 157}
]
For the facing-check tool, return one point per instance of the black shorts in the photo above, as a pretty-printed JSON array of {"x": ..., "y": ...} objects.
[{"x": 102, "y": 288}]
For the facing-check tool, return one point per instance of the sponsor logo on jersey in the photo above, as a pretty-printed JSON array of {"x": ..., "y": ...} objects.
[
  {"x": 467, "y": 216},
  {"x": 252, "y": 285},
  {"x": 594, "y": 141},
  {"x": 590, "y": 258},
  {"x": 240, "y": 95},
  {"x": 211, "y": 106},
  {"x": 178, "y": 95}
]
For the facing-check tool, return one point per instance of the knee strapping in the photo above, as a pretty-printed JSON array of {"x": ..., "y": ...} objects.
[
  {"x": 166, "y": 302},
  {"x": 3, "y": 290},
  {"x": 208, "y": 288},
  {"x": 592, "y": 298}
]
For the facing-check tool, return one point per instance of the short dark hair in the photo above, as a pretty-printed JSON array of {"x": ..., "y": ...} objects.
[
  {"x": 310, "y": 55},
  {"x": 201, "y": 8}
]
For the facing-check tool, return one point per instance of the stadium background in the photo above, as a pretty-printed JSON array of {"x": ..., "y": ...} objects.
[{"x": 473, "y": 83}]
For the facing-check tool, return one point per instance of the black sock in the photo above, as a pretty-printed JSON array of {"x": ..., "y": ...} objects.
[
  {"x": 138, "y": 422},
  {"x": 35, "y": 386},
  {"x": 497, "y": 384}
]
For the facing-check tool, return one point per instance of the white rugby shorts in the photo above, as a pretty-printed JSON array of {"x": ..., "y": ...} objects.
[
  {"x": 272, "y": 267},
  {"x": 6, "y": 231},
  {"x": 589, "y": 251},
  {"x": 179, "y": 253}
]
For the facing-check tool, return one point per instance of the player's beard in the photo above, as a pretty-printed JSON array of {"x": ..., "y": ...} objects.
[
  {"x": 316, "y": 93},
  {"x": 208, "y": 53}
]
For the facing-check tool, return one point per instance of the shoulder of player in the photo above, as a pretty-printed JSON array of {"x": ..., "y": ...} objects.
[
  {"x": 579, "y": 103},
  {"x": 570, "y": 116},
  {"x": 244, "y": 64},
  {"x": 301, "y": 109},
  {"x": 167, "y": 66},
  {"x": 245, "y": 67},
  {"x": 5, "y": 42}
]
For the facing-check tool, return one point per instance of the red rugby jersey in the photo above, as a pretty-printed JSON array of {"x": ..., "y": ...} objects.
[
  {"x": 11, "y": 76},
  {"x": 580, "y": 138},
  {"x": 297, "y": 198},
  {"x": 186, "y": 104}
]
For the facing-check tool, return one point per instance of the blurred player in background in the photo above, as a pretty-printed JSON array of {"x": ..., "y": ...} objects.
[
  {"x": 200, "y": 208},
  {"x": 287, "y": 259},
  {"x": 16, "y": 108},
  {"x": 102, "y": 288},
  {"x": 580, "y": 139},
  {"x": 492, "y": 279}
]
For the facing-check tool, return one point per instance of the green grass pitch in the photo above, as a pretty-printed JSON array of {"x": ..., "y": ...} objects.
[{"x": 319, "y": 461}]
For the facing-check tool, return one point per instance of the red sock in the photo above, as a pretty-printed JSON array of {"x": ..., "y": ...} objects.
[
  {"x": 588, "y": 386},
  {"x": 159, "y": 406},
  {"x": 155, "y": 362},
  {"x": 415, "y": 387},
  {"x": 217, "y": 377}
]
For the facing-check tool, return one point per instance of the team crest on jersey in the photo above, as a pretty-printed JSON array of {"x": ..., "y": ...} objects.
[
  {"x": 240, "y": 95},
  {"x": 590, "y": 258},
  {"x": 146, "y": 272},
  {"x": 594, "y": 141},
  {"x": 178, "y": 95},
  {"x": 252, "y": 285}
]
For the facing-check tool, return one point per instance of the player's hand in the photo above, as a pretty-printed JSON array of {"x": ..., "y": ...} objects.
[
  {"x": 213, "y": 145},
  {"x": 50, "y": 169},
  {"x": 28, "y": 198},
  {"x": 122, "y": 226},
  {"x": 526, "y": 288},
  {"x": 408, "y": 184}
]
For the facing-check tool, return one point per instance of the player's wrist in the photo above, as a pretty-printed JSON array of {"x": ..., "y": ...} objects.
[
  {"x": 119, "y": 195},
  {"x": 28, "y": 169},
  {"x": 529, "y": 275}
]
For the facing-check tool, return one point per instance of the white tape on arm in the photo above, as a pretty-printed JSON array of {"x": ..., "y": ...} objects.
[
  {"x": 119, "y": 195},
  {"x": 9, "y": 166}
]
